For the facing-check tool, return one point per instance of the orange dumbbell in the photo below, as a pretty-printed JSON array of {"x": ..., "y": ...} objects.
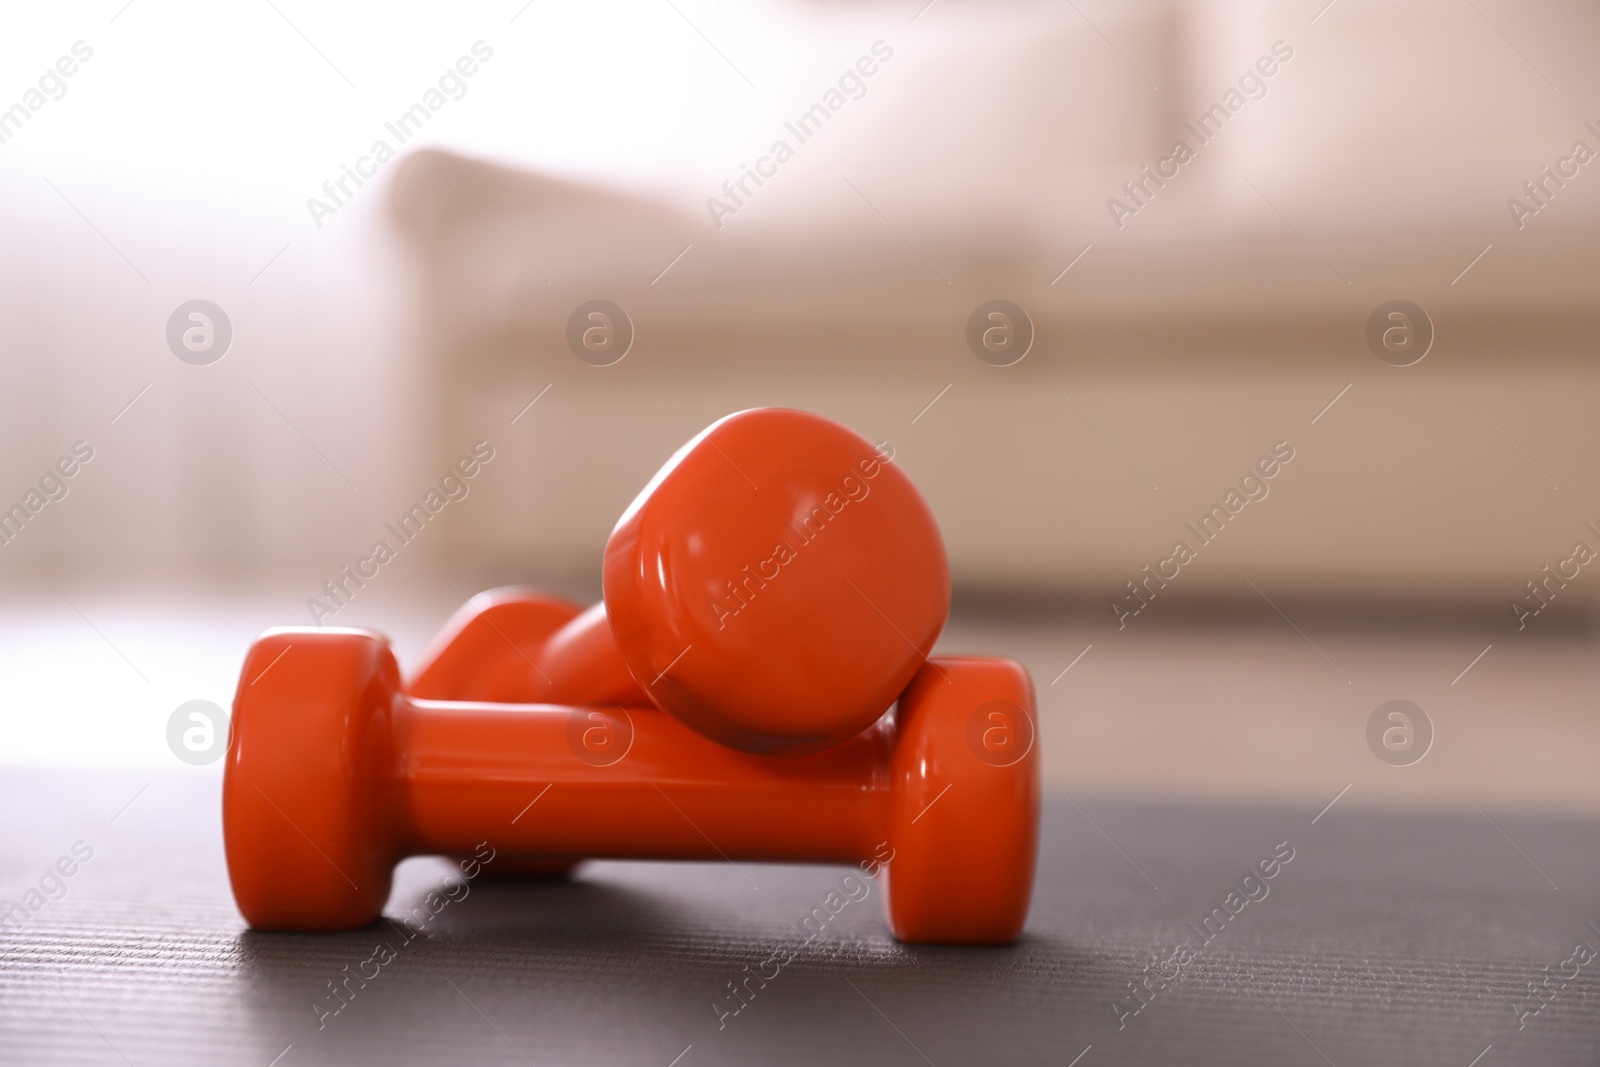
[
  {"x": 518, "y": 645},
  {"x": 486, "y": 653},
  {"x": 333, "y": 775},
  {"x": 774, "y": 587}
]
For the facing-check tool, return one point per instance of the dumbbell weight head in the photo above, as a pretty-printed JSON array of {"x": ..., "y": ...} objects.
[
  {"x": 777, "y": 583},
  {"x": 307, "y": 822},
  {"x": 517, "y": 645},
  {"x": 333, "y": 776},
  {"x": 488, "y": 648},
  {"x": 964, "y": 818}
]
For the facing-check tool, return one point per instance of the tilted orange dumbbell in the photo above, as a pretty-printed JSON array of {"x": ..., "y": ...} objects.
[{"x": 774, "y": 587}]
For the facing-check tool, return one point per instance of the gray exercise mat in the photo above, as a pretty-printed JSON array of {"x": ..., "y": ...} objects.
[{"x": 1380, "y": 938}]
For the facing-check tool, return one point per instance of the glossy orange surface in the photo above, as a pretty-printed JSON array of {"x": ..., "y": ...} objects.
[
  {"x": 333, "y": 775},
  {"x": 774, "y": 587},
  {"x": 777, "y": 583},
  {"x": 517, "y": 645}
]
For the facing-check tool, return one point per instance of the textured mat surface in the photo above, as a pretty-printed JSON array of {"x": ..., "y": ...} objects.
[{"x": 1386, "y": 939}]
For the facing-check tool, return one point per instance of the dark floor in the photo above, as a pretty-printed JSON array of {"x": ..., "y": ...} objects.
[{"x": 1403, "y": 939}]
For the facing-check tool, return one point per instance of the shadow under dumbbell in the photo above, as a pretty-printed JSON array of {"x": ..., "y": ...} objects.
[
  {"x": 532, "y": 909},
  {"x": 712, "y": 911}
]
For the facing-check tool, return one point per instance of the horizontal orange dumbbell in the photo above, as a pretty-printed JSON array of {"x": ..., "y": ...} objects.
[{"x": 334, "y": 775}]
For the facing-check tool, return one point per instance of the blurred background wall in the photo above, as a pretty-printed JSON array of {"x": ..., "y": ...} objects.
[
  {"x": 1175, "y": 343},
  {"x": 398, "y": 209}
]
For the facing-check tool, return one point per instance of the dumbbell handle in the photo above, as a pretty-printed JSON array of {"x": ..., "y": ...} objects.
[{"x": 512, "y": 775}]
